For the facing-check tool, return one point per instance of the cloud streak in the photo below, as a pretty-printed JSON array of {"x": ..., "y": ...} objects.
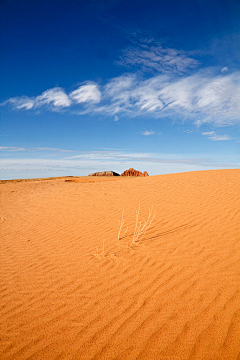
[
  {"x": 214, "y": 137},
  {"x": 156, "y": 58},
  {"x": 154, "y": 158},
  {"x": 86, "y": 93},
  {"x": 208, "y": 95},
  {"x": 118, "y": 160},
  {"x": 34, "y": 149},
  {"x": 148, "y": 132},
  {"x": 201, "y": 97},
  {"x": 56, "y": 98},
  {"x": 12, "y": 148}
]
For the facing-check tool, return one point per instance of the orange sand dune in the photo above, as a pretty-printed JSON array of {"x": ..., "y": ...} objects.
[{"x": 175, "y": 296}]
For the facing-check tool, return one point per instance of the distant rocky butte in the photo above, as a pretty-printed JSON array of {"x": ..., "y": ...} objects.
[
  {"x": 133, "y": 172},
  {"x": 105, "y": 173}
]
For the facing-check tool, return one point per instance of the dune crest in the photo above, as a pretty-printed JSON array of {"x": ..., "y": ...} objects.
[{"x": 176, "y": 296}]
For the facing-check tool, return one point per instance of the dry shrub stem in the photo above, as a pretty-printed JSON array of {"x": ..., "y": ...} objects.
[
  {"x": 139, "y": 231},
  {"x": 140, "y": 228},
  {"x": 120, "y": 228}
]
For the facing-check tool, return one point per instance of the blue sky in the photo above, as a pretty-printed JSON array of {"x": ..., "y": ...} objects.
[{"x": 107, "y": 85}]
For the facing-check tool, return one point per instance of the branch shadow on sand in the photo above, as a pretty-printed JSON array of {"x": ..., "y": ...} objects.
[
  {"x": 170, "y": 231},
  {"x": 176, "y": 229}
]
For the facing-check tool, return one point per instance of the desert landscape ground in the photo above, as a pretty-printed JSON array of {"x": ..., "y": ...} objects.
[{"x": 174, "y": 296}]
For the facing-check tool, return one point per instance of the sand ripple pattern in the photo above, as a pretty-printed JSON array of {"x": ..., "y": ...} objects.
[{"x": 174, "y": 297}]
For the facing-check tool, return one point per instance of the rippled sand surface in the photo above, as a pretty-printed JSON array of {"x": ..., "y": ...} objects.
[{"x": 69, "y": 289}]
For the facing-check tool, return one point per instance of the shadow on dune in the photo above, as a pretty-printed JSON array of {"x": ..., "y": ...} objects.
[{"x": 170, "y": 231}]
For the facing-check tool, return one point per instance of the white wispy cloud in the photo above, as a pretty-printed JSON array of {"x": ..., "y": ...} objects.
[
  {"x": 146, "y": 97},
  {"x": 20, "y": 103},
  {"x": 117, "y": 86},
  {"x": 147, "y": 132},
  {"x": 224, "y": 69},
  {"x": 87, "y": 162},
  {"x": 86, "y": 93},
  {"x": 214, "y": 137},
  {"x": 12, "y": 148},
  {"x": 209, "y": 95},
  {"x": 54, "y": 98},
  {"x": 120, "y": 156},
  {"x": 117, "y": 160},
  {"x": 202, "y": 97},
  {"x": 33, "y": 149},
  {"x": 220, "y": 95},
  {"x": 51, "y": 149},
  {"x": 150, "y": 57}
]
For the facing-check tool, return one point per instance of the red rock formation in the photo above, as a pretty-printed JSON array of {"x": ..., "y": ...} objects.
[
  {"x": 133, "y": 172},
  {"x": 104, "y": 173}
]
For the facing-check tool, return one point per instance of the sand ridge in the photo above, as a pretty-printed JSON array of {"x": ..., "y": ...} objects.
[{"x": 175, "y": 296}]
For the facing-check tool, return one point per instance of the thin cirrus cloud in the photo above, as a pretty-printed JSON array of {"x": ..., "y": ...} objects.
[
  {"x": 202, "y": 97},
  {"x": 214, "y": 137},
  {"x": 119, "y": 156},
  {"x": 34, "y": 149},
  {"x": 147, "y": 132},
  {"x": 224, "y": 69},
  {"x": 12, "y": 148},
  {"x": 176, "y": 89},
  {"x": 20, "y": 103},
  {"x": 156, "y": 58},
  {"x": 87, "y": 162}
]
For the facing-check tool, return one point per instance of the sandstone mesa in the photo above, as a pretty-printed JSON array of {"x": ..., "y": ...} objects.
[
  {"x": 129, "y": 172},
  {"x": 133, "y": 172},
  {"x": 104, "y": 173}
]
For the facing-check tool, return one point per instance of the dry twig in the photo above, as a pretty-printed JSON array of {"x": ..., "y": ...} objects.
[
  {"x": 140, "y": 229},
  {"x": 120, "y": 228}
]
